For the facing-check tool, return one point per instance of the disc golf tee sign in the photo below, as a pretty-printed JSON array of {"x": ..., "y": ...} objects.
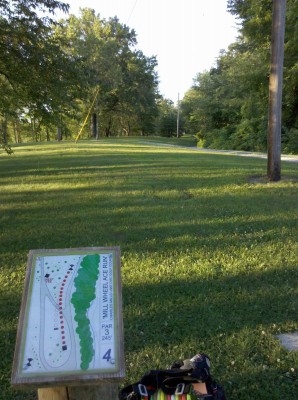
[{"x": 70, "y": 327}]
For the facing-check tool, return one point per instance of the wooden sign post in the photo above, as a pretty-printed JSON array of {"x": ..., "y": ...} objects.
[{"x": 70, "y": 336}]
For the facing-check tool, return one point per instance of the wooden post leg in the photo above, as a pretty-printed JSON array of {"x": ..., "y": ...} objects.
[{"x": 55, "y": 393}]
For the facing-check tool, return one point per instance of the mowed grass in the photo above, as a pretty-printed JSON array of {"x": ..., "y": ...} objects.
[{"x": 209, "y": 260}]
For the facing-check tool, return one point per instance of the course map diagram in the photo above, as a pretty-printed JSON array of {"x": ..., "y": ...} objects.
[{"x": 70, "y": 325}]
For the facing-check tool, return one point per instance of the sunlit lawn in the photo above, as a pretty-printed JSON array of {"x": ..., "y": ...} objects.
[{"x": 209, "y": 260}]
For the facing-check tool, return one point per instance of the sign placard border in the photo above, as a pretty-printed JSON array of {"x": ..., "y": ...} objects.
[{"x": 73, "y": 378}]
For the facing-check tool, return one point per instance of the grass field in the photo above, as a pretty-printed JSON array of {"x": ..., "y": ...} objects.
[{"x": 209, "y": 259}]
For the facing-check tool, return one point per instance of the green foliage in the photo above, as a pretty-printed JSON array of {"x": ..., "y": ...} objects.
[
  {"x": 37, "y": 78},
  {"x": 51, "y": 71},
  {"x": 6, "y": 148},
  {"x": 32, "y": 59},
  {"x": 166, "y": 124},
  {"x": 125, "y": 77},
  {"x": 227, "y": 107},
  {"x": 291, "y": 140},
  {"x": 255, "y": 16}
]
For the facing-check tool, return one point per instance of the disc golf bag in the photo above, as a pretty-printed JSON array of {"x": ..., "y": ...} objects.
[{"x": 185, "y": 380}]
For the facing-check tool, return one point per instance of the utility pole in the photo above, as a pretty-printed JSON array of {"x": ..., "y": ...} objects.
[
  {"x": 178, "y": 116},
  {"x": 275, "y": 90}
]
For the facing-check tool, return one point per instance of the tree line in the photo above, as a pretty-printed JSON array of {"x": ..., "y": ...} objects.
[
  {"x": 52, "y": 72},
  {"x": 227, "y": 106}
]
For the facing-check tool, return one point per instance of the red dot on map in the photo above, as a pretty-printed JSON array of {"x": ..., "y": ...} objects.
[
  {"x": 63, "y": 337},
  {"x": 68, "y": 272},
  {"x": 61, "y": 316}
]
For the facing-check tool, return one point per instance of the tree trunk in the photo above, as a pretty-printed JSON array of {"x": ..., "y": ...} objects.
[
  {"x": 94, "y": 133},
  {"x": 33, "y": 129},
  {"x": 108, "y": 128},
  {"x": 16, "y": 132},
  {"x": 59, "y": 133},
  {"x": 97, "y": 121},
  {"x": 275, "y": 90},
  {"x": 4, "y": 131},
  {"x": 16, "y": 140}
]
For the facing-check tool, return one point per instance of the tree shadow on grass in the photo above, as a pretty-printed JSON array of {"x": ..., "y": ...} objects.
[
  {"x": 151, "y": 219},
  {"x": 274, "y": 383},
  {"x": 229, "y": 318},
  {"x": 151, "y": 207},
  {"x": 203, "y": 308}
]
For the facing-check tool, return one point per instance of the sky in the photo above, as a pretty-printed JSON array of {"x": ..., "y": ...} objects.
[{"x": 186, "y": 36}]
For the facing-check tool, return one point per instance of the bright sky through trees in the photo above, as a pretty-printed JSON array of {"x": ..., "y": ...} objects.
[{"x": 186, "y": 36}]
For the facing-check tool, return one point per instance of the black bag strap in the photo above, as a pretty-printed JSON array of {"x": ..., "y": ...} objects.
[
  {"x": 154, "y": 380},
  {"x": 177, "y": 385},
  {"x": 175, "y": 381}
]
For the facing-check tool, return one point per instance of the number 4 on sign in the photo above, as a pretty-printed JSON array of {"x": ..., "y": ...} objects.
[{"x": 107, "y": 356}]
